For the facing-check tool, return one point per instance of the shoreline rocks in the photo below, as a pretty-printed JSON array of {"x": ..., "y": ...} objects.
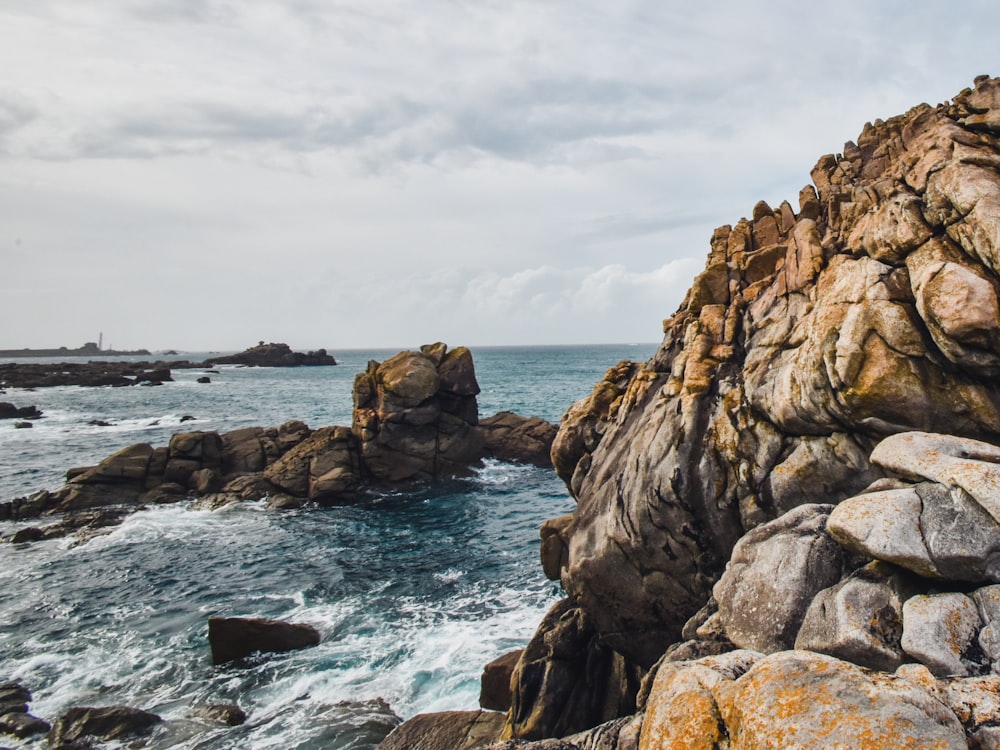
[{"x": 415, "y": 420}]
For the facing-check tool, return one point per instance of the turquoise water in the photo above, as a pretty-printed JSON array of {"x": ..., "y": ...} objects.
[{"x": 413, "y": 592}]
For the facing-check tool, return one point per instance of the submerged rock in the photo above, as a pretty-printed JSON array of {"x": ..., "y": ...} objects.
[{"x": 104, "y": 723}]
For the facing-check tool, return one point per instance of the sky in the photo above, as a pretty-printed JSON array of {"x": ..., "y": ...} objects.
[{"x": 203, "y": 174}]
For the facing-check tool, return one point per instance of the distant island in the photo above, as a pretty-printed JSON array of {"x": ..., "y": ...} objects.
[
  {"x": 90, "y": 349},
  {"x": 274, "y": 355}
]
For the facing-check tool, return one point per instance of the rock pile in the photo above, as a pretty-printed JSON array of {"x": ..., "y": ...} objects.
[
  {"x": 766, "y": 526},
  {"x": 415, "y": 419}
]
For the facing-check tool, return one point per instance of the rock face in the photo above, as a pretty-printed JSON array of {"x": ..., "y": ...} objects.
[
  {"x": 273, "y": 355},
  {"x": 511, "y": 437},
  {"x": 235, "y": 637},
  {"x": 415, "y": 415},
  {"x": 812, "y": 334}
]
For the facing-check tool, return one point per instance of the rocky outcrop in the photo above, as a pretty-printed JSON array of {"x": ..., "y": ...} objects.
[
  {"x": 30, "y": 375},
  {"x": 9, "y": 411},
  {"x": 511, "y": 437},
  {"x": 14, "y": 717},
  {"x": 273, "y": 355},
  {"x": 812, "y": 334},
  {"x": 236, "y": 637},
  {"x": 415, "y": 415},
  {"x": 495, "y": 684}
]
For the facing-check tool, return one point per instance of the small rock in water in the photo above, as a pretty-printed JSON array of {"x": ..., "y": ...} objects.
[
  {"x": 99, "y": 423},
  {"x": 22, "y": 425},
  {"x": 21, "y": 724},
  {"x": 225, "y": 713},
  {"x": 204, "y": 379},
  {"x": 107, "y": 722},
  {"x": 235, "y": 637},
  {"x": 188, "y": 418}
]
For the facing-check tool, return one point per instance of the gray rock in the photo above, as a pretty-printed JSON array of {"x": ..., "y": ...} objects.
[
  {"x": 933, "y": 530},
  {"x": 953, "y": 461},
  {"x": 859, "y": 619},
  {"x": 775, "y": 572},
  {"x": 987, "y": 599},
  {"x": 455, "y": 730},
  {"x": 940, "y": 631},
  {"x": 104, "y": 723}
]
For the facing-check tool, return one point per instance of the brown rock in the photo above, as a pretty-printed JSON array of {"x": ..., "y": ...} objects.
[
  {"x": 510, "y": 437},
  {"x": 495, "y": 690},
  {"x": 235, "y": 637},
  {"x": 455, "y": 730},
  {"x": 105, "y": 723}
]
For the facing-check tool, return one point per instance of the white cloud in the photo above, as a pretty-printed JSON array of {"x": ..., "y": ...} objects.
[{"x": 337, "y": 172}]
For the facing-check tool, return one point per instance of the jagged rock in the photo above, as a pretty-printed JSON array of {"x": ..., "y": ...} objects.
[
  {"x": 22, "y": 725},
  {"x": 324, "y": 467},
  {"x": 273, "y": 355},
  {"x": 495, "y": 690},
  {"x": 933, "y": 530},
  {"x": 415, "y": 415},
  {"x": 940, "y": 631},
  {"x": 105, "y": 723},
  {"x": 554, "y": 551},
  {"x": 235, "y": 637},
  {"x": 567, "y": 681},
  {"x": 808, "y": 339},
  {"x": 860, "y": 619},
  {"x": 774, "y": 573},
  {"x": 511, "y": 437},
  {"x": 455, "y": 730},
  {"x": 102, "y": 373}
]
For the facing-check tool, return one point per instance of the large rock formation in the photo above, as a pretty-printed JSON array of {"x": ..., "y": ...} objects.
[
  {"x": 274, "y": 355},
  {"x": 811, "y": 335}
]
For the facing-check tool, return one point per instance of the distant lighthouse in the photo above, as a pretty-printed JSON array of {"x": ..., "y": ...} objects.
[{"x": 100, "y": 341}]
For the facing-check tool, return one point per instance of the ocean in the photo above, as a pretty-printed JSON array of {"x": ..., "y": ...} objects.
[{"x": 412, "y": 591}]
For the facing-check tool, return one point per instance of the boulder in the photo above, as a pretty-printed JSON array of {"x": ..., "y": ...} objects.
[
  {"x": 236, "y": 637},
  {"x": 940, "y": 631},
  {"x": 22, "y": 725},
  {"x": 9, "y": 411},
  {"x": 455, "y": 730},
  {"x": 510, "y": 437},
  {"x": 774, "y": 573},
  {"x": 860, "y": 619},
  {"x": 324, "y": 467},
  {"x": 415, "y": 415},
  {"x": 567, "y": 681},
  {"x": 932, "y": 529},
  {"x": 495, "y": 689},
  {"x": 103, "y": 723}
]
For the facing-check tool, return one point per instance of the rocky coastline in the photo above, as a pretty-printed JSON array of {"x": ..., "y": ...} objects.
[
  {"x": 97, "y": 373},
  {"x": 788, "y": 520}
]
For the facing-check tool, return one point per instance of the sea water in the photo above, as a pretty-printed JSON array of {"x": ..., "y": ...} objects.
[{"x": 412, "y": 591}]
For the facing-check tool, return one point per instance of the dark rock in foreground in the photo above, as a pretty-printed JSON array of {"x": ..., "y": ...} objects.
[
  {"x": 494, "y": 692},
  {"x": 273, "y": 355},
  {"x": 236, "y": 637}
]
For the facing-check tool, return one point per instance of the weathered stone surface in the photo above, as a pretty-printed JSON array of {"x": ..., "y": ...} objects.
[
  {"x": 933, "y": 530},
  {"x": 415, "y": 415},
  {"x": 104, "y": 723},
  {"x": 814, "y": 702},
  {"x": 987, "y": 599},
  {"x": 807, "y": 340},
  {"x": 554, "y": 551},
  {"x": 324, "y": 467},
  {"x": 566, "y": 681},
  {"x": 235, "y": 637},
  {"x": 681, "y": 710},
  {"x": 940, "y": 631},
  {"x": 456, "y": 730},
  {"x": 774, "y": 573},
  {"x": 22, "y": 725},
  {"x": 620, "y": 734},
  {"x": 511, "y": 437},
  {"x": 860, "y": 619},
  {"x": 495, "y": 689},
  {"x": 972, "y": 465}
]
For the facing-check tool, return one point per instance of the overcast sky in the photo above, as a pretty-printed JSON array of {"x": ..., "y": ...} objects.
[{"x": 202, "y": 174}]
